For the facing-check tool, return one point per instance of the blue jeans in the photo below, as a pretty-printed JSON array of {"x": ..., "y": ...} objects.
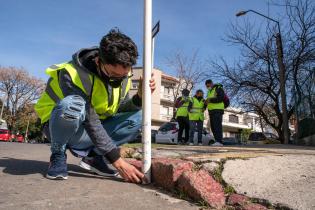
[
  {"x": 193, "y": 124},
  {"x": 66, "y": 127}
]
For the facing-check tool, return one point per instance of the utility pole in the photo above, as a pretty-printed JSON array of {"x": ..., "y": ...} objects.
[
  {"x": 285, "y": 121},
  {"x": 281, "y": 66}
]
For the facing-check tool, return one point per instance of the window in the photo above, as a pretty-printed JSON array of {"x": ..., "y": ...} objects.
[
  {"x": 166, "y": 110},
  {"x": 168, "y": 90},
  {"x": 135, "y": 84},
  {"x": 233, "y": 118},
  {"x": 168, "y": 126},
  {"x": 4, "y": 131}
]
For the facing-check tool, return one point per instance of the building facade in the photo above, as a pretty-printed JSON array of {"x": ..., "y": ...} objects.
[{"x": 162, "y": 98}]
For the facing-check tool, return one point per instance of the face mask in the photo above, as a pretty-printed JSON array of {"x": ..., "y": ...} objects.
[
  {"x": 199, "y": 97},
  {"x": 115, "y": 83}
]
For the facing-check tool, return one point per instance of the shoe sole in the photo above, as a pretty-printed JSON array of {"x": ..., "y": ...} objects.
[
  {"x": 59, "y": 177},
  {"x": 94, "y": 170}
]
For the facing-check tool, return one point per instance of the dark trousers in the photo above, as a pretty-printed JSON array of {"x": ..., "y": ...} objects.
[
  {"x": 183, "y": 123},
  {"x": 216, "y": 125},
  {"x": 195, "y": 125}
]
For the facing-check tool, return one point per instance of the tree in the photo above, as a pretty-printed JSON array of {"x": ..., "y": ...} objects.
[
  {"x": 189, "y": 70},
  {"x": 254, "y": 78},
  {"x": 20, "y": 91}
]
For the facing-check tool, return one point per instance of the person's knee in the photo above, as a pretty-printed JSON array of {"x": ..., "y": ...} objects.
[
  {"x": 73, "y": 108},
  {"x": 136, "y": 117}
]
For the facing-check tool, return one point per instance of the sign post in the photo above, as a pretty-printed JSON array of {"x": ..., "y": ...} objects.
[{"x": 146, "y": 102}]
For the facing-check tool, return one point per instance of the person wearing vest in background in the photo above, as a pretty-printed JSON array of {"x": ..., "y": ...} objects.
[
  {"x": 85, "y": 108},
  {"x": 215, "y": 106},
  {"x": 196, "y": 110},
  {"x": 182, "y": 116}
]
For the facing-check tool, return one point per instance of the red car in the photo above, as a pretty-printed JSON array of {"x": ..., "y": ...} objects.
[
  {"x": 5, "y": 135},
  {"x": 17, "y": 138}
]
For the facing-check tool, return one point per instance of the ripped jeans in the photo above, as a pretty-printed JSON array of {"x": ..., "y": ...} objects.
[{"x": 66, "y": 127}]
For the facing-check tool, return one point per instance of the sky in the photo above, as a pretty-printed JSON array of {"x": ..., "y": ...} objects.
[{"x": 38, "y": 33}]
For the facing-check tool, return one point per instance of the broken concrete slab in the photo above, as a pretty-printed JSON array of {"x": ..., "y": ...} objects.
[
  {"x": 217, "y": 157},
  {"x": 287, "y": 179},
  {"x": 239, "y": 200},
  {"x": 165, "y": 171},
  {"x": 211, "y": 167},
  {"x": 199, "y": 185},
  {"x": 254, "y": 206}
]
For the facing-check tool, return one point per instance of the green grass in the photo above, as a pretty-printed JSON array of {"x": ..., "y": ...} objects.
[{"x": 217, "y": 175}]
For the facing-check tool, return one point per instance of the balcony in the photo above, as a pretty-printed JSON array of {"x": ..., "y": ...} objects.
[
  {"x": 167, "y": 97},
  {"x": 166, "y": 118},
  {"x": 233, "y": 124}
]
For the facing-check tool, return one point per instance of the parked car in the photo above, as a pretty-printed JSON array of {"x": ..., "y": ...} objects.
[
  {"x": 263, "y": 138},
  {"x": 17, "y": 138},
  {"x": 230, "y": 141},
  {"x": 5, "y": 135},
  {"x": 168, "y": 132},
  {"x": 138, "y": 139}
]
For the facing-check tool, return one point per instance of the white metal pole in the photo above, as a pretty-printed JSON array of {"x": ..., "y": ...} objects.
[
  {"x": 146, "y": 103},
  {"x": 152, "y": 59}
]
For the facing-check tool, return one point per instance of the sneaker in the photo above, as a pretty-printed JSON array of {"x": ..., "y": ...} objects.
[
  {"x": 217, "y": 144},
  {"x": 57, "y": 167},
  {"x": 199, "y": 144},
  {"x": 98, "y": 166},
  {"x": 191, "y": 144}
]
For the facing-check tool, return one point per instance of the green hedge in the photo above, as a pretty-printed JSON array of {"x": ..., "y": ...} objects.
[{"x": 306, "y": 127}]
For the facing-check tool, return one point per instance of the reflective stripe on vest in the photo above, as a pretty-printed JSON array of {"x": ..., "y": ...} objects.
[
  {"x": 51, "y": 92},
  {"x": 211, "y": 106},
  {"x": 197, "y": 111},
  {"x": 90, "y": 84}
]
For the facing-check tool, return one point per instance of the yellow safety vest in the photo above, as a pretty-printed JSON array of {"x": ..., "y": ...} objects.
[
  {"x": 211, "y": 106},
  {"x": 183, "y": 110},
  {"x": 197, "y": 111},
  {"x": 89, "y": 83}
]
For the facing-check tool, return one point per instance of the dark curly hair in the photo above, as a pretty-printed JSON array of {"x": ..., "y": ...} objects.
[{"x": 117, "y": 48}]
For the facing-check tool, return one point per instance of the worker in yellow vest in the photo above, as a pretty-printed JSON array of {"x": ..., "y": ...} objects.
[
  {"x": 215, "y": 107},
  {"x": 85, "y": 108},
  {"x": 182, "y": 116},
  {"x": 196, "y": 110}
]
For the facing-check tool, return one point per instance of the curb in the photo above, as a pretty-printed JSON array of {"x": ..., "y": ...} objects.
[{"x": 192, "y": 181}]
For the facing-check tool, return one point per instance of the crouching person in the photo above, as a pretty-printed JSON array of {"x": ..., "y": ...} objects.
[{"x": 85, "y": 108}]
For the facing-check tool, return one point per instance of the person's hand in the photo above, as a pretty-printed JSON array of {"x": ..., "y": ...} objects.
[
  {"x": 128, "y": 172},
  {"x": 207, "y": 100},
  {"x": 152, "y": 85}
]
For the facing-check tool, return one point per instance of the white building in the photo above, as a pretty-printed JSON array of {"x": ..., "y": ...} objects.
[{"x": 162, "y": 98}]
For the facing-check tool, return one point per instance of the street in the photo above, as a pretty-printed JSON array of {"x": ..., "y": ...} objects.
[{"x": 23, "y": 185}]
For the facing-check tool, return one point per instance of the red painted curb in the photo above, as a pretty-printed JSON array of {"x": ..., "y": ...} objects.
[
  {"x": 199, "y": 185},
  {"x": 166, "y": 171}
]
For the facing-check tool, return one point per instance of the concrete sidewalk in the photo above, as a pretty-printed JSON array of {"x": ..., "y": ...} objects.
[
  {"x": 23, "y": 186},
  {"x": 282, "y": 175}
]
